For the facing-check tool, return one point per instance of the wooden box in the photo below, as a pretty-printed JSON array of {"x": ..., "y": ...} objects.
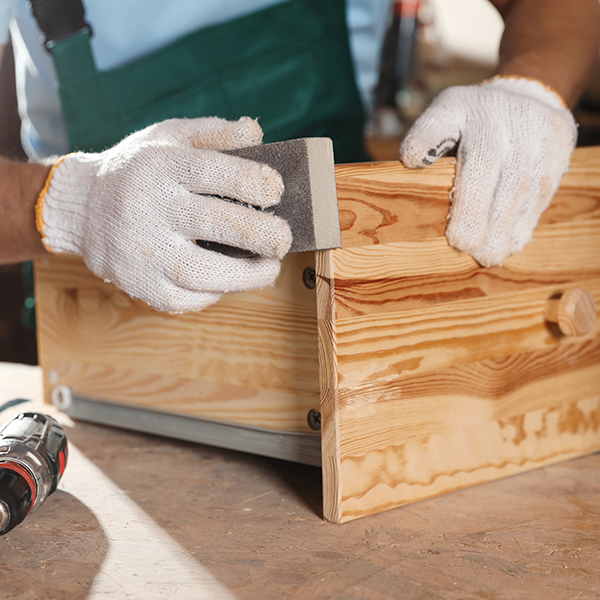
[{"x": 429, "y": 372}]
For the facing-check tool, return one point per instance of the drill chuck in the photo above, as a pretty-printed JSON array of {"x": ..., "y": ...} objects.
[
  {"x": 4, "y": 515},
  {"x": 33, "y": 457}
]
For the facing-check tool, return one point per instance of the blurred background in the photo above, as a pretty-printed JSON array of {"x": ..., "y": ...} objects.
[
  {"x": 430, "y": 45},
  {"x": 433, "y": 44},
  {"x": 17, "y": 317}
]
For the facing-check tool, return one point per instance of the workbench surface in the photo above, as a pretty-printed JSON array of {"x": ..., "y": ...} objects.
[{"x": 138, "y": 516}]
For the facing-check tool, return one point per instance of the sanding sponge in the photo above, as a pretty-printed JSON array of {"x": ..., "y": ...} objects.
[{"x": 309, "y": 201}]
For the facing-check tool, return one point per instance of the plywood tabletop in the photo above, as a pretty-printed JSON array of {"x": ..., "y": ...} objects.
[{"x": 143, "y": 517}]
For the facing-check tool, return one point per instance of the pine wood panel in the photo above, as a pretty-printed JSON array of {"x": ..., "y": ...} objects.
[
  {"x": 441, "y": 463},
  {"x": 249, "y": 359},
  {"x": 400, "y": 276},
  {"x": 443, "y": 374},
  {"x": 382, "y": 203}
]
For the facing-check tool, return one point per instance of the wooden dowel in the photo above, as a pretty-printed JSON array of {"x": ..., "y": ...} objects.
[{"x": 575, "y": 312}]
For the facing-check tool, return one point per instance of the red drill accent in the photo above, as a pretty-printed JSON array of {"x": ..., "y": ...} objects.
[{"x": 62, "y": 462}]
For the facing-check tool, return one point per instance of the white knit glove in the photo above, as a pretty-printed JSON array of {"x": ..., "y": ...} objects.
[
  {"x": 515, "y": 137},
  {"x": 133, "y": 211}
]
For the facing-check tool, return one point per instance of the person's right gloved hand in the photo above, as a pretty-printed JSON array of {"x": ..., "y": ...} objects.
[
  {"x": 515, "y": 137},
  {"x": 133, "y": 211}
]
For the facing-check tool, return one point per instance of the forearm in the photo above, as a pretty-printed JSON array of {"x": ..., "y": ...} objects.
[
  {"x": 20, "y": 186},
  {"x": 555, "y": 41}
]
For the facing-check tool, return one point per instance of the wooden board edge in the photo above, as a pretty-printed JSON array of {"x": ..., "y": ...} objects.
[{"x": 327, "y": 352}]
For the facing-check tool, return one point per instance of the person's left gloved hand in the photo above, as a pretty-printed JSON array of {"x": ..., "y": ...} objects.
[{"x": 515, "y": 137}]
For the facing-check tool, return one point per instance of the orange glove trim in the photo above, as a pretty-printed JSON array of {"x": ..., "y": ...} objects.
[{"x": 39, "y": 205}]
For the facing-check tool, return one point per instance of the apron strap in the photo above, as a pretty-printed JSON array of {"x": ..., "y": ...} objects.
[{"x": 59, "y": 19}]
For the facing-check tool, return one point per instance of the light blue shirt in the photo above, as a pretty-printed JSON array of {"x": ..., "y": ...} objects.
[{"x": 128, "y": 29}]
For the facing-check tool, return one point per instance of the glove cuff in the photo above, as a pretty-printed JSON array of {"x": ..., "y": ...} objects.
[
  {"x": 527, "y": 86},
  {"x": 61, "y": 206}
]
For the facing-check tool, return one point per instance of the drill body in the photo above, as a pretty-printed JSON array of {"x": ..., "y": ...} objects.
[{"x": 33, "y": 457}]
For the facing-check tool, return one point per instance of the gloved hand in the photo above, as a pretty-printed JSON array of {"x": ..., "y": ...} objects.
[
  {"x": 133, "y": 211},
  {"x": 515, "y": 137}
]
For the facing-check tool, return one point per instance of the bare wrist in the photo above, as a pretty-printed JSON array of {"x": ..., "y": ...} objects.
[{"x": 21, "y": 186}]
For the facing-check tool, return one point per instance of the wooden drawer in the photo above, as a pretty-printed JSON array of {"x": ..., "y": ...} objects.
[
  {"x": 432, "y": 373},
  {"x": 437, "y": 373}
]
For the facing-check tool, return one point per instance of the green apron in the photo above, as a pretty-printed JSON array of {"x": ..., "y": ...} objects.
[{"x": 288, "y": 65}]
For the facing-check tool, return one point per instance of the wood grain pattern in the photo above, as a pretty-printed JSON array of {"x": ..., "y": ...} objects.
[
  {"x": 382, "y": 203},
  {"x": 401, "y": 276},
  {"x": 249, "y": 359},
  {"x": 448, "y": 374},
  {"x": 429, "y": 466},
  {"x": 329, "y": 379}
]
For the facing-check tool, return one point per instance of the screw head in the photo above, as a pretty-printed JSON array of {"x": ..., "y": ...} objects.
[
  {"x": 309, "y": 277},
  {"x": 314, "y": 419}
]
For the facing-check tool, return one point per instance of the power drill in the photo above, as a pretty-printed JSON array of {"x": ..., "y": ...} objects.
[{"x": 33, "y": 457}]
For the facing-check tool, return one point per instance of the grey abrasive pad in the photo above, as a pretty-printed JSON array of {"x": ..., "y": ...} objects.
[{"x": 309, "y": 201}]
